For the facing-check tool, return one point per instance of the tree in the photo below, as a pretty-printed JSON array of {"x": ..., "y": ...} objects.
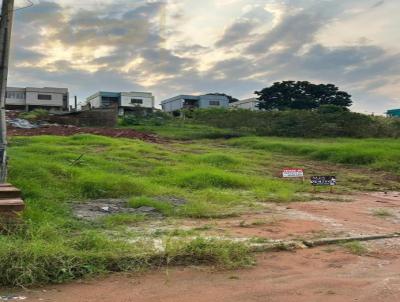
[
  {"x": 230, "y": 98},
  {"x": 302, "y": 95}
]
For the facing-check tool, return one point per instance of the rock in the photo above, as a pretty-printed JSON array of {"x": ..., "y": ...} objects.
[
  {"x": 146, "y": 209},
  {"x": 12, "y": 298},
  {"x": 105, "y": 209}
]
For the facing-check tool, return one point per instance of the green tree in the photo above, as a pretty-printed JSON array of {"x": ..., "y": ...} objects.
[{"x": 301, "y": 95}]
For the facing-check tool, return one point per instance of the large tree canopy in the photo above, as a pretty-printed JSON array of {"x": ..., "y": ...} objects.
[{"x": 301, "y": 95}]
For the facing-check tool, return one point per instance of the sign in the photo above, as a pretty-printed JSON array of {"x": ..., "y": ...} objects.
[
  {"x": 293, "y": 173},
  {"x": 323, "y": 180}
]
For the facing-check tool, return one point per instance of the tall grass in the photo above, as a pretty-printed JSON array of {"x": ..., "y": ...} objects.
[
  {"x": 53, "y": 246},
  {"x": 383, "y": 154},
  {"x": 212, "y": 181}
]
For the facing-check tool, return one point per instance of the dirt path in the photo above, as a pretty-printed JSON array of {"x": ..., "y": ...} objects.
[
  {"x": 329, "y": 274},
  {"x": 306, "y": 275}
]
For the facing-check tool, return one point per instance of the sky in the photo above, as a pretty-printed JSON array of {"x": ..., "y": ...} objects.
[{"x": 172, "y": 47}]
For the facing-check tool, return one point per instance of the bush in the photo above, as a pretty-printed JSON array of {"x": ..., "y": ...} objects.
[
  {"x": 201, "y": 179},
  {"x": 156, "y": 118},
  {"x": 326, "y": 121},
  {"x": 34, "y": 115}
]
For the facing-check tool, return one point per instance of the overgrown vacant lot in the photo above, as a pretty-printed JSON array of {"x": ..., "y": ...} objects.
[{"x": 205, "y": 179}]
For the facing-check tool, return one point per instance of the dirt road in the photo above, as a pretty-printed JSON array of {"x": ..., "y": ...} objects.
[
  {"x": 328, "y": 274},
  {"x": 306, "y": 275}
]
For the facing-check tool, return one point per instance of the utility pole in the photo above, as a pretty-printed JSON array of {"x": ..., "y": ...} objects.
[{"x": 7, "y": 11}]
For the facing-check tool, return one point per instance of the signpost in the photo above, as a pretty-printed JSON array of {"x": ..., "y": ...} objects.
[
  {"x": 323, "y": 181},
  {"x": 293, "y": 173}
]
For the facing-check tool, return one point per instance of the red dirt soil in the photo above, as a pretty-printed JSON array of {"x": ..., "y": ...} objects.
[
  {"x": 62, "y": 130},
  {"x": 329, "y": 274},
  {"x": 304, "y": 276}
]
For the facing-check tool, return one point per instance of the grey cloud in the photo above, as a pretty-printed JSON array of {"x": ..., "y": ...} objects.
[
  {"x": 297, "y": 29},
  {"x": 237, "y": 33},
  {"x": 133, "y": 29},
  {"x": 293, "y": 32},
  {"x": 378, "y": 4},
  {"x": 21, "y": 54}
]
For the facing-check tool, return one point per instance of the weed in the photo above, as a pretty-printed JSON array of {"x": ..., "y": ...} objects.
[
  {"x": 221, "y": 253},
  {"x": 206, "y": 178},
  {"x": 143, "y": 201},
  {"x": 383, "y": 213},
  {"x": 356, "y": 248},
  {"x": 259, "y": 240}
]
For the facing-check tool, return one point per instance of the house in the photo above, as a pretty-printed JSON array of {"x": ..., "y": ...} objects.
[
  {"x": 124, "y": 101},
  {"x": 31, "y": 98},
  {"x": 393, "y": 113},
  {"x": 251, "y": 104},
  {"x": 193, "y": 102}
]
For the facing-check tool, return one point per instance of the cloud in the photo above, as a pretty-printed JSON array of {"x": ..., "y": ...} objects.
[
  {"x": 378, "y": 4},
  {"x": 236, "y": 33},
  {"x": 147, "y": 45}
]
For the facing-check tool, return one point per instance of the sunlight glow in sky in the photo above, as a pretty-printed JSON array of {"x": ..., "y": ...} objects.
[{"x": 171, "y": 47}]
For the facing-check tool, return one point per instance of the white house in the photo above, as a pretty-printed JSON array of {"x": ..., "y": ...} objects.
[
  {"x": 125, "y": 101},
  {"x": 250, "y": 104},
  {"x": 193, "y": 101},
  {"x": 30, "y": 98}
]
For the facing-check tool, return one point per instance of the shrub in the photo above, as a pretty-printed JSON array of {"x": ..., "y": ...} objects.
[
  {"x": 200, "y": 179},
  {"x": 34, "y": 115}
]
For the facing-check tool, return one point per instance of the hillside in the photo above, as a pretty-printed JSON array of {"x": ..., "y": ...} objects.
[{"x": 97, "y": 204}]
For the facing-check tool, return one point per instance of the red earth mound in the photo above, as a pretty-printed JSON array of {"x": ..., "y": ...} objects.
[{"x": 62, "y": 130}]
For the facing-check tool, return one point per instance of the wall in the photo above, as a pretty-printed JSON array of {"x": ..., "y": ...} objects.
[
  {"x": 31, "y": 96},
  {"x": 16, "y": 92},
  {"x": 96, "y": 102},
  {"x": 173, "y": 105},
  {"x": 57, "y": 100},
  {"x": 148, "y": 99},
  {"x": 89, "y": 118},
  {"x": 250, "y": 104},
  {"x": 206, "y": 99}
]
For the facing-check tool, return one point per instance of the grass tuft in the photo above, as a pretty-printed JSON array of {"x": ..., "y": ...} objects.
[{"x": 356, "y": 248}]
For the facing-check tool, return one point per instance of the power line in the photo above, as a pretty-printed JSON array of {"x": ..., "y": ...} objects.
[{"x": 30, "y": 4}]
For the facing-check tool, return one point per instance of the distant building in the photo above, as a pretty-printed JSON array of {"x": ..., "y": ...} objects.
[
  {"x": 251, "y": 104},
  {"x": 393, "y": 113},
  {"x": 194, "y": 102},
  {"x": 124, "y": 101},
  {"x": 31, "y": 98}
]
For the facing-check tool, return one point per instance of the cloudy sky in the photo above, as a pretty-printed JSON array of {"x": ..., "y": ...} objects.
[{"x": 172, "y": 47}]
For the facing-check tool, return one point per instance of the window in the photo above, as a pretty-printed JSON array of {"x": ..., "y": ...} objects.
[
  {"x": 136, "y": 101},
  {"x": 44, "y": 97},
  {"x": 15, "y": 95},
  {"x": 214, "y": 103}
]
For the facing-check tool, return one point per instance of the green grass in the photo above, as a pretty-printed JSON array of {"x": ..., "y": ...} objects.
[
  {"x": 356, "y": 248},
  {"x": 143, "y": 201},
  {"x": 212, "y": 183},
  {"x": 185, "y": 130},
  {"x": 382, "y": 154},
  {"x": 212, "y": 178}
]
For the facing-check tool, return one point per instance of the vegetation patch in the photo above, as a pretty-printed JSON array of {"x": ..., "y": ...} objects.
[
  {"x": 383, "y": 213},
  {"x": 161, "y": 206},
  {"x": 356, "y": 248},
  {"x": 380, "y": 154},
  {"x": 206, "y": 178},
  {"x": 203, "y": 179}
]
